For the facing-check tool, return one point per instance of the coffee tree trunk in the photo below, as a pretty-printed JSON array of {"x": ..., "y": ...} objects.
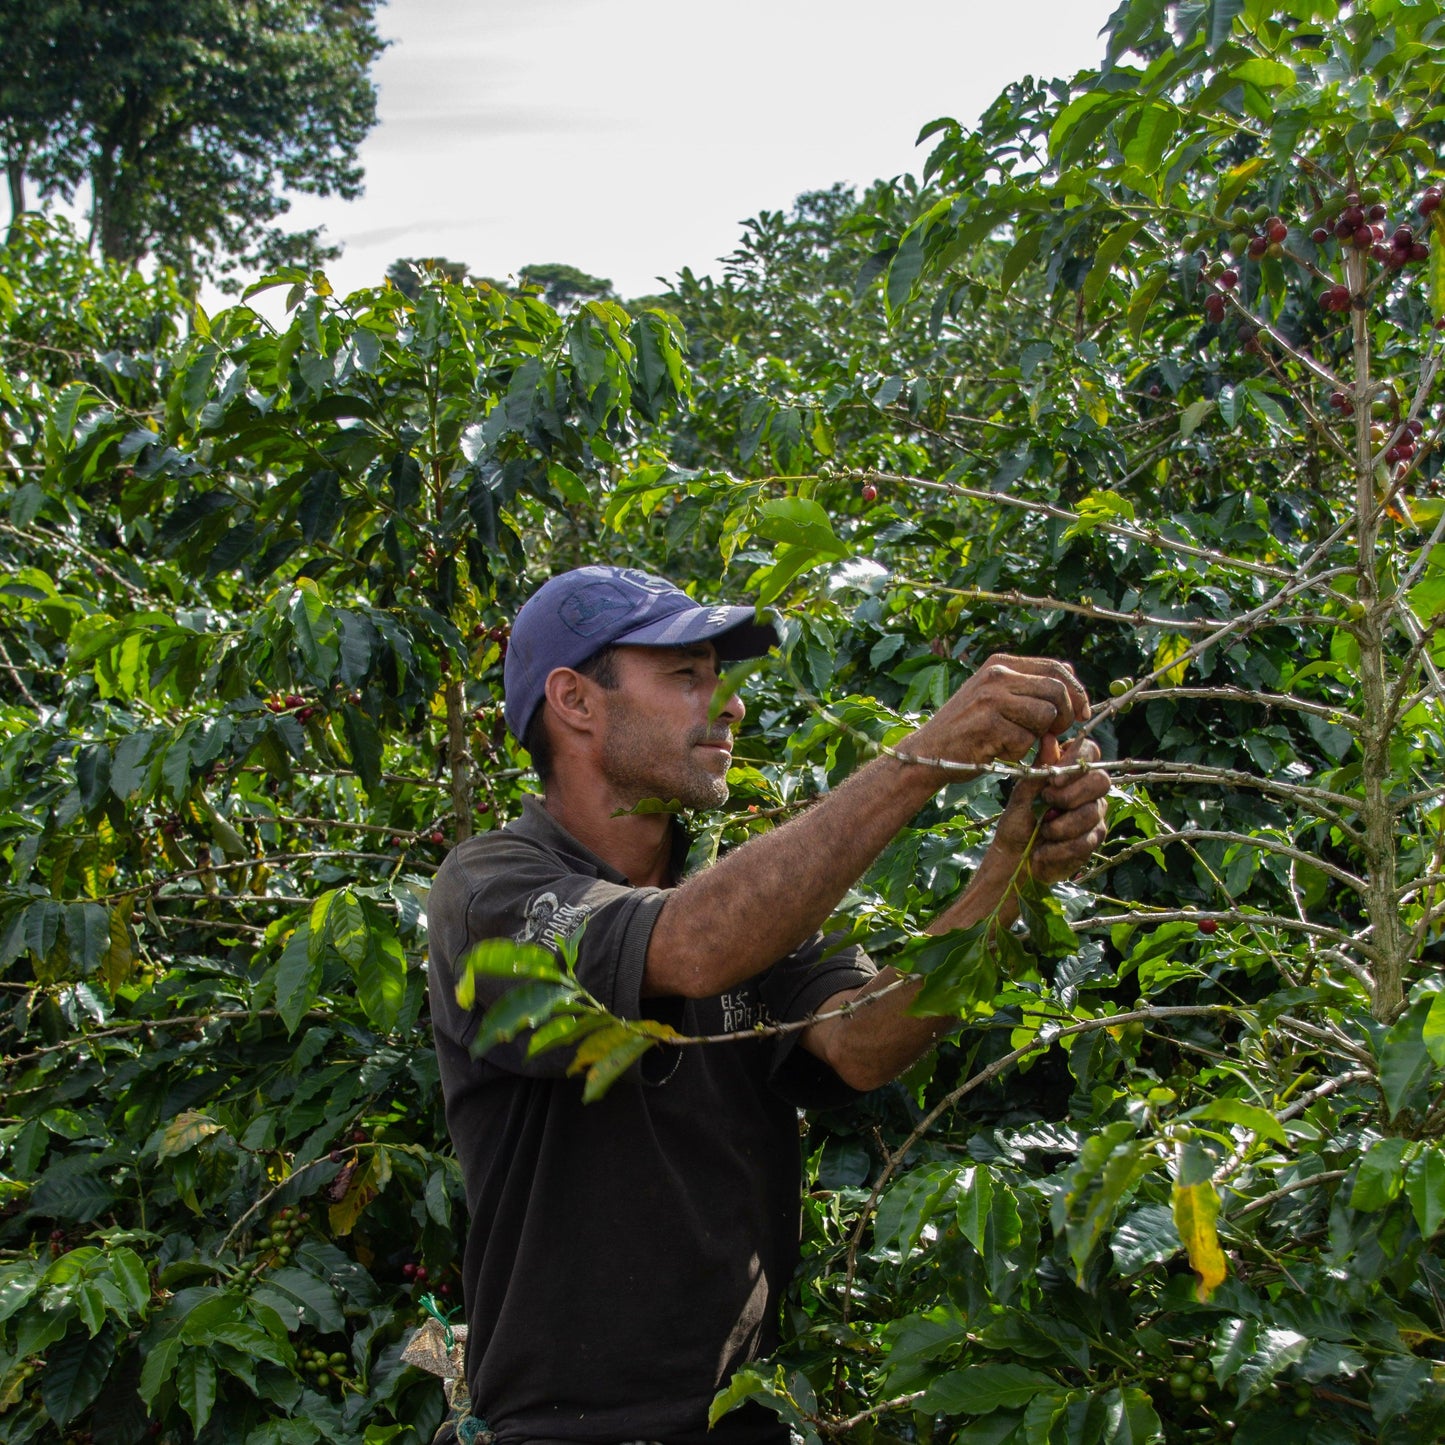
[
  {"x": 1377, "y": 815},
  {"x": 459, "y": 759}
]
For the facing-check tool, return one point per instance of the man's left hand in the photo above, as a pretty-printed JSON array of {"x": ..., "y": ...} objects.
[{"x": 1072, "y": 827}]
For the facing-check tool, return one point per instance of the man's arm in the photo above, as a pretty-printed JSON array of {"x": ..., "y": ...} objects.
[
  {"x": 731, "y": 921},
  {"x": 876, "y": 1042}
]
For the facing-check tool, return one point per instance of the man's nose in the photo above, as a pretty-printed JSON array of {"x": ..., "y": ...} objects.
[{"x": 732, "y": 711}]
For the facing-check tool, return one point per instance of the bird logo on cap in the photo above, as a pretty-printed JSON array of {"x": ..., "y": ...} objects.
[{"x": 588, "y": 610}]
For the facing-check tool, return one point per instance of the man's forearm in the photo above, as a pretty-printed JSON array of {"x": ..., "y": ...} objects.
[
  {"x": 874, "y": 1041},
  {"x": 992, "y": 890},
  {"x": 876, "y": 1038},
  {"x": 756, "y": 905}
]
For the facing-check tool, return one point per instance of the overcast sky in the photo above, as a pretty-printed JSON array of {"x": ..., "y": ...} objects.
[{"x": 631, "y": 137}]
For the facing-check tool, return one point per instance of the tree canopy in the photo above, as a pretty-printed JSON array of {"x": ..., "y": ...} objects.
[{"x": 189, "y": 122}]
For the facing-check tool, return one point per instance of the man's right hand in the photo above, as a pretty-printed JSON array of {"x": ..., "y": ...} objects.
[{"x": 1002, "y": 711}]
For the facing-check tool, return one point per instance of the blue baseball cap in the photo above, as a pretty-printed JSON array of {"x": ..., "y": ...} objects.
[{"x": 567, "y": 620}]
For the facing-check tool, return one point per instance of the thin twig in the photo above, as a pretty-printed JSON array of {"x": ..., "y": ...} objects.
[
  {"x": 1146, "y": 536},
  {"x": 1252, "y": 840},
  {"x": 1328, "y": 1176},
  {"x": 1154, "y": 916},
  {"x": 17, "y": 680},
  {"x": 140, "y": 1026},
  {"x": 840, "y": 1427}
]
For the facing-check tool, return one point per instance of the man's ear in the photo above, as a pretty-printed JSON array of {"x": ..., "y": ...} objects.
[{"x": 572, "y": 700}]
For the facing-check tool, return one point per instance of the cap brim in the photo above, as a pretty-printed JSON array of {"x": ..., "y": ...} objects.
[{"x": 737, "y": 632}]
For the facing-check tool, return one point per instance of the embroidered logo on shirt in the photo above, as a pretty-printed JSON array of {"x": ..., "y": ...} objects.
[
  {"x": 743, "y": 1010},
  {"x": 548, "y": 922}
]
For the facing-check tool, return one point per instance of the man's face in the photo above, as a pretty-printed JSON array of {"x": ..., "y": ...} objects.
[{"x": 657, "y": 740}]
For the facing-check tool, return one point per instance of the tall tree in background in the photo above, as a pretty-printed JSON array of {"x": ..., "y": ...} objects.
[
  {"x": 564, "y": 287},
  {"x": 189, "y": 121}
]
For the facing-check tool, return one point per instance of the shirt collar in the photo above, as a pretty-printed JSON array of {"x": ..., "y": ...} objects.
[{"x": 538, "y": 824}]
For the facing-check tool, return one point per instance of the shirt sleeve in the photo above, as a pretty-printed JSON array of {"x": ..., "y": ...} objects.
[
  {"x": 511, "y": 888},
  {"x": 796, "y": 987}
]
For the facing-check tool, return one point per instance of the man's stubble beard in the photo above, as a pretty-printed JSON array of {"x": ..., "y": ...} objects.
[{"x": 640, "y": 761}]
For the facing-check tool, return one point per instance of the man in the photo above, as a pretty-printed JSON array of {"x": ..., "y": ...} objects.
[{"x": 625, "y": 1257}]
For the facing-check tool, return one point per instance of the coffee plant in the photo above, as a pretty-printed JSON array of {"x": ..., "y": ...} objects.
[
  {"x": 255, "y": 600},
  {"x": 1143, "y": 374}
]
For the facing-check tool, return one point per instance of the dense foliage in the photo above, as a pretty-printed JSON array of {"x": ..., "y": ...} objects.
[{"x": 1087, "y": 390}]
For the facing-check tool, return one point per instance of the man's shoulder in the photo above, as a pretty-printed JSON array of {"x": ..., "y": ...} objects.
[{"x": 484, "y": 856}]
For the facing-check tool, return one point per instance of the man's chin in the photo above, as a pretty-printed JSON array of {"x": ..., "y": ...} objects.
[
  {"x": 707, "y": 793},
  {"x": 705, "y": 797}
]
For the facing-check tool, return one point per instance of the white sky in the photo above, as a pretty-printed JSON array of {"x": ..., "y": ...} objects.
[{"x": 632, "y": 137}]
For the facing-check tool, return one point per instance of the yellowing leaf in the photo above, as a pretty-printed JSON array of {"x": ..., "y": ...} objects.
[
  {"x": 1196, "y": 1208},
  {"x": 185, "y": 1131},
  {"x": 1173, "y": 645},
  {"x": 364, "y": 1184},
  {"x": 1236, "y": 180},
  {"x": 119, "y": 957},
  {"x": 1092, "y": 404}
]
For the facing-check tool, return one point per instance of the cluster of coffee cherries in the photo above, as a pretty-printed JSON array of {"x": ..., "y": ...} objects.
[
  {"x": 322, "y": 1368},
  {"x": 1355, "y": 219},
  {"x": 1192, "y": 1379},
  {"x": 358, "y": 1135},
  {"x": 1364, "y": 228},
  {"x": 498, "y": 634},
  {"x": 1266, "y": 237},
  {"x": 1400, "y": 441},
  {"x": 1402, "y": 448},
  {"x": 293, "y": 702},
  {"x": 277, "y": 1245},
  {"x": 1192, "y": 1384},
  {"x": 1255, "y": 233},
  {"x": 1226, "y": 278},
  {"x": 1361, "y": 225}
]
